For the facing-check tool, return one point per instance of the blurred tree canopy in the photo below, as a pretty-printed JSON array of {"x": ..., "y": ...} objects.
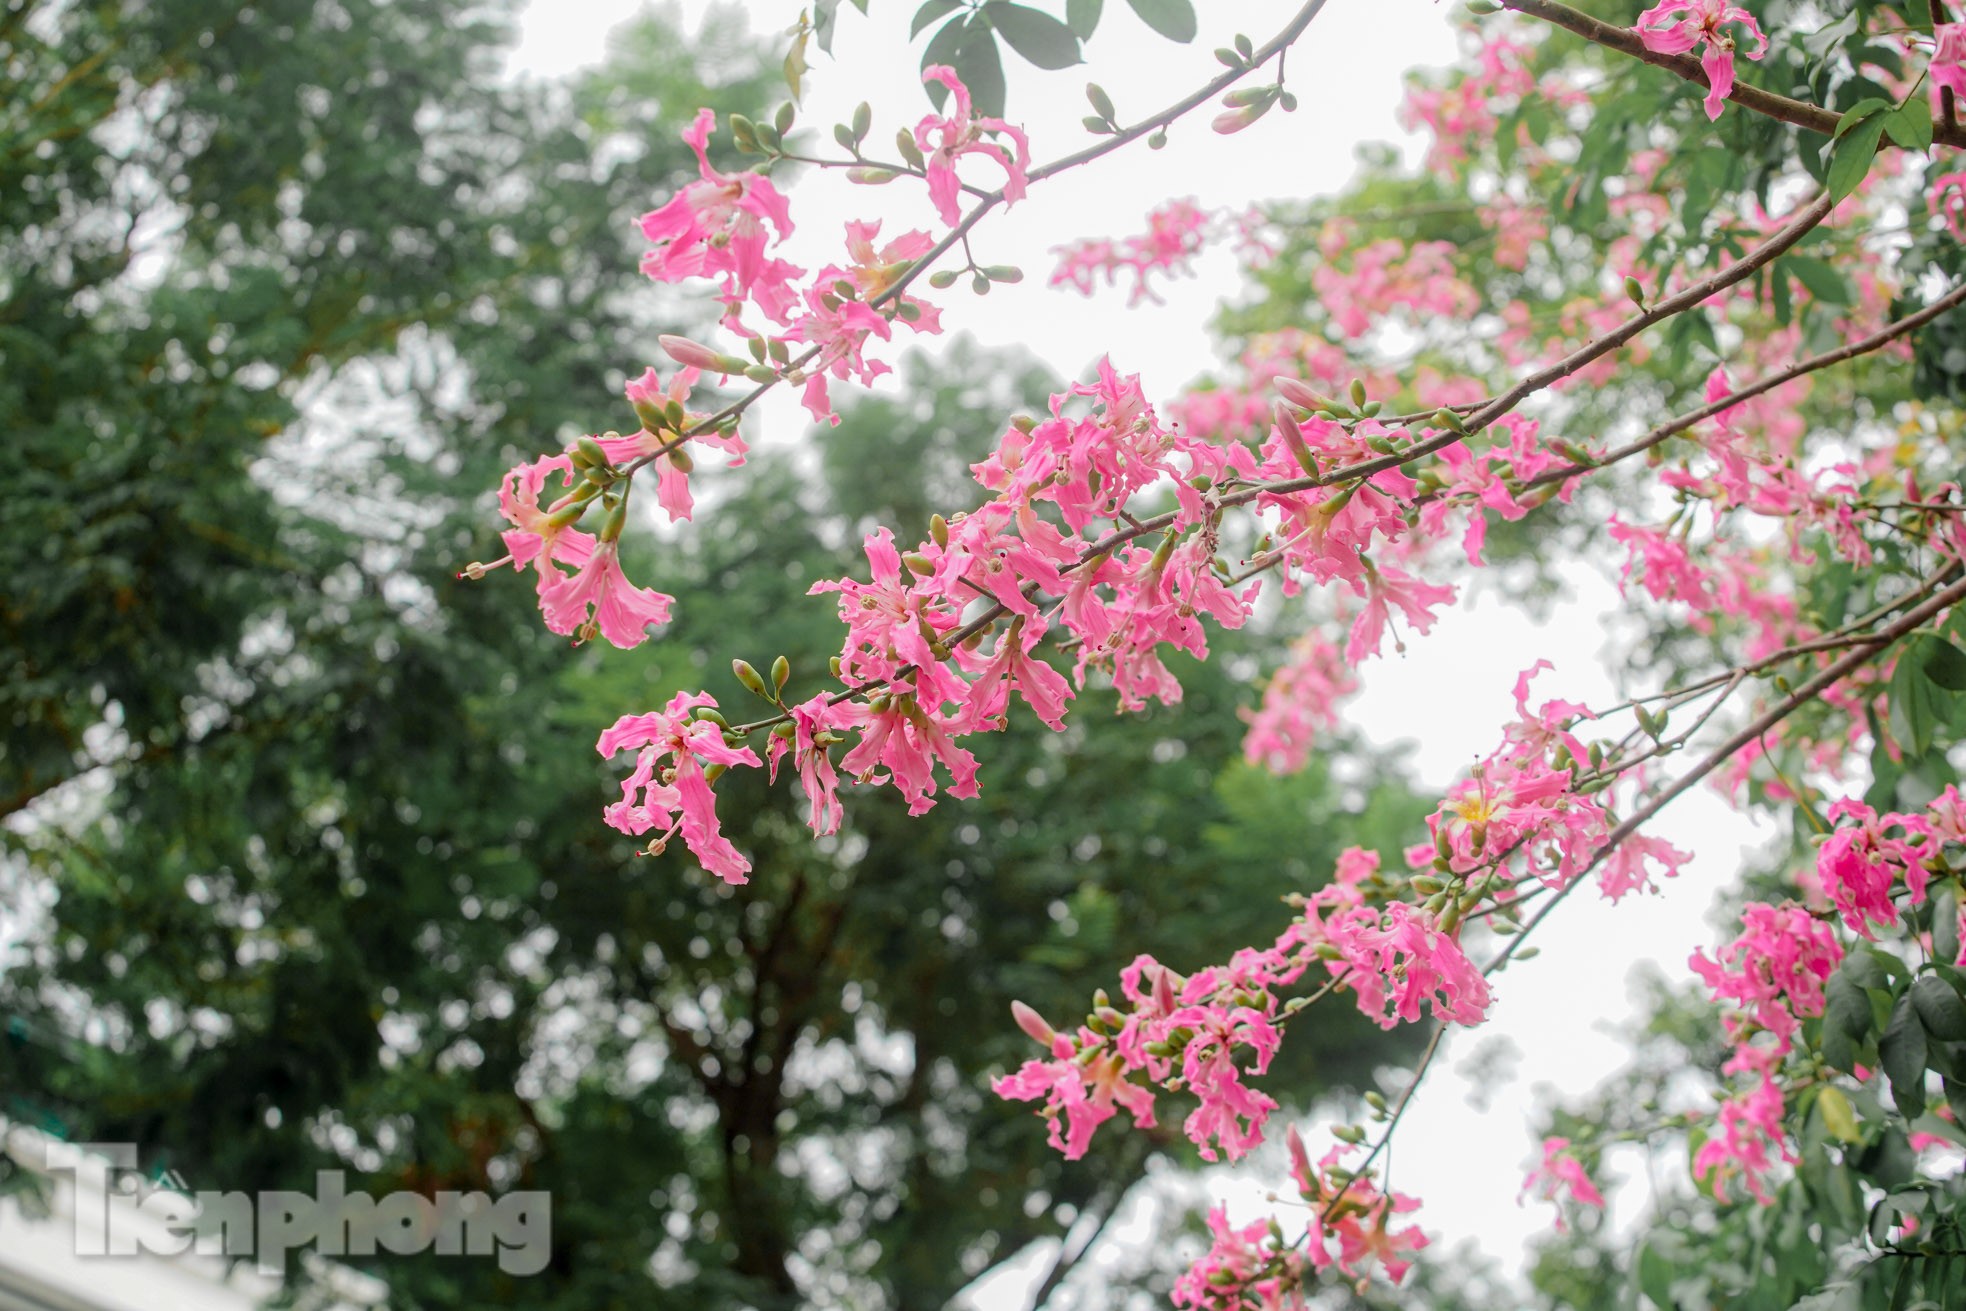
[{"x": 303, "y": 834}]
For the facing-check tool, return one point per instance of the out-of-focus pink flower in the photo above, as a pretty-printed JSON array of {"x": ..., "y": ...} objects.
[{"x": 1560, "y": 1177}]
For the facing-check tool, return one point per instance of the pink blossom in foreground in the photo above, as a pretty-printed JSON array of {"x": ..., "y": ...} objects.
[
  {"x": 669, "y": 789},
  {"x": 1860, "y": 864},
  {"x": 1948, "y": 67},
  {"x": 943, "y": 141},
  {"x": 817, "y": 726},
  {"x": 1359, "y": 1232},
  {"x": 1243, "y": 1267},
  {"x": 1674, "y": 27},
  {"x": 716, "y": 227},
  {"x": 540, "y": 536},
  {"x": 1775, "y": 970},
  {"x": 650, "y": 399},
  {"x": 1560, "y": 1177},
  {"x": 622, "y": 612}
]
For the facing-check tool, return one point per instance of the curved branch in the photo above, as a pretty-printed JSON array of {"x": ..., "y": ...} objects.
[{"x": 1799, "y": 113}]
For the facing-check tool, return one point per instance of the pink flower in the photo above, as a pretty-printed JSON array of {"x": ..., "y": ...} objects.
[
  {"x": 1361, "y": 1224},
  {"x": 1300, "y": 703},
  {"x": 816, "y": 726},
  {"x": 1674, "y": 27},
  {"x": 1243, "y": 1267},
  {"x": 622, "y": 612},
  {"x": 1388, "y": 586},
  {"x": 716, "y": 227},
  {"x": 1079, "y": 1096},
  {"x": 669, "y": 788},
  {"x": 1948, "y": 200},
  {"x": 535, "y": 537},
  {"x": 1859, "y": 865},
  {"x": 1948, "y": 66},
  {"x": 1669, "y": 571},
  {"x": 1012, "y": 665},
  {"x": 1747, "y": 1127},
  {"x": 1775, "y": 969},
  {"x": 1560, "y": 1172},
  {"x": 945, "y": 140},
  {"x": 907, "y": 741},
  {"x": 650, "y": 397}
]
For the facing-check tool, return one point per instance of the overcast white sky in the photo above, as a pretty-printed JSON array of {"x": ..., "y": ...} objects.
[{"x": 1450, "y": 693}]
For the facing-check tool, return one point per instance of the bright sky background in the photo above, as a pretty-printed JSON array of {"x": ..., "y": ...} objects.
[{"x": 1450, "y": 694}]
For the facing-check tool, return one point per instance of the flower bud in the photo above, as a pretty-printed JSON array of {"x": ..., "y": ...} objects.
[
  {"x": 938, "y": 530},
  {"x": 863, "y": 120},
  {"x": 1032, "y": 1023},
  {"x": 911, "y": 154},
  {"x": 1301, "y": 395},
  {"x": 1102, "y": 104},
  {"x": 698, "y": 356},
  {"x": 781, "y": 673},
  {"x": 749, "y": 677}
]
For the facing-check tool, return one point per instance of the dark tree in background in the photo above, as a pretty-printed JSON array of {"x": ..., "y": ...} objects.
[{"x": 303, "y": 838}]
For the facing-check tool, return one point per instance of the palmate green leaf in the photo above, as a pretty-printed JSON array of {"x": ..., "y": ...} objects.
[
  {"x": 1945, "y": 921},
  {"x": 1173, "y": 19},
  {"x": 1943, "y": 662},
  {"x": 1083, "y": 17},
  {"x": 927, "y": 15},
  {"x": 1037, "y": 36}
]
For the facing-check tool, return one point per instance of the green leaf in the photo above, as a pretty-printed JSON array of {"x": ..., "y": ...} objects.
[
  {"x": 1863, "y": 109},
  {"x": 1850, "y": 158},
  {"x": 1902, "y": 1051},
  {"x": 1944, "y": 663},
  {"x": 929, "y": 13},
  {"x": 1173, "y": 19},
  {"x": 1917, "y": 704},
  {"x": 945, "y": 47},
  {"x": 981, "y": 68},
  {"x": 1821, "y": 279},
  {"x": 1945, "y": 924},
  {"x": 1037, "y": 36},
  {"x": 1940, "y": 1011},
  {"x": 1655, "y": 1277},
  {"x": 1910, "y": 125},
  {"x": 1083, "y": 16}
]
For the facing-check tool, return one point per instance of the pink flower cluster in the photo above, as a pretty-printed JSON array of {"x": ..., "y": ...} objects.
[
  {"x": 1364, "y": 284},
  {"x": 1773, "y": 972},
  {"x": 1300, "y": 705},
  {"x": 1177, "y": 232},
  {"x": 1202, "y": 1034},
  {"x": 723, "y": 227},
  {"x": 1861, "y": 864},
  {"x": 1522, "y": 812},
  {"x": 1395, "y": 959}
]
